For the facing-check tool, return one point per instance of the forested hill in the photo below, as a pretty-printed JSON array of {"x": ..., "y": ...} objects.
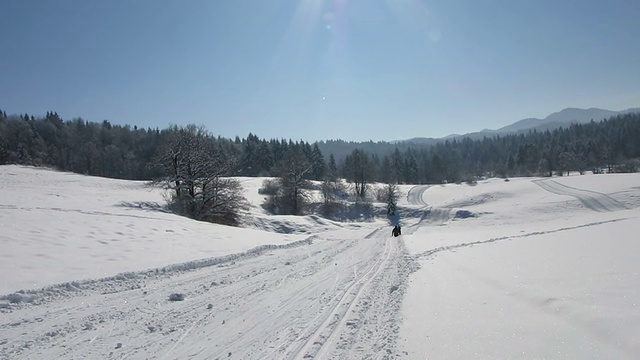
[{"x": 105, "y": 149}]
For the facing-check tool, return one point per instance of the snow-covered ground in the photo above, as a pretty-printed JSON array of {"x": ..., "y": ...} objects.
[
  {"x": 543, "y": 268},
  {"x": 526, "y": 268}
]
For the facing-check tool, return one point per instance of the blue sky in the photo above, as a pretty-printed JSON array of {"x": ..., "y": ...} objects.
[{"x": 318, "y": 69}]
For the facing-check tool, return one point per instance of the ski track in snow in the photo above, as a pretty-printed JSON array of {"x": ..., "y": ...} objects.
[
  {"x": 323, "y": 298},
  {"x": 430, "y": 215},
  {"x": 334, "y": 295},
  {"x": 590, "y": 199},
  {"x": 505, "y": 238},
  {"x": 415, "y": 195}
]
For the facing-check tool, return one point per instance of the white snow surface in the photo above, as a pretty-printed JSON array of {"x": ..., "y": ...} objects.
[{"x": 528, "y": 268}]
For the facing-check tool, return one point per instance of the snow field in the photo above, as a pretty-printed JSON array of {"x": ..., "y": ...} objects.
[
  {"x": 529, "y": 268},
  {"x": 548, "y": 270}
]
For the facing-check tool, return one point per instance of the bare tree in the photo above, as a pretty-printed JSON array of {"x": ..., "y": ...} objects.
[
  {"x": 292, "y": 196},
  {"x": 566, "y": 161},
  {"x": 197, "y": 171},
  {"x": 332, "y": 191}
]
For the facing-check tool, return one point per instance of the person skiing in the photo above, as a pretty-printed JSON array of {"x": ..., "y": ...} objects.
[{"x": 396, "y": 231}]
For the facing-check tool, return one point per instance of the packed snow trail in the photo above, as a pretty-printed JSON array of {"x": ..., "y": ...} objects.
[
  {"x": 590, "y": 199},
  {"x": 336, "y": 297},
  {"x": 415, "y": 195},
  {"x": 430, "y": 215}
]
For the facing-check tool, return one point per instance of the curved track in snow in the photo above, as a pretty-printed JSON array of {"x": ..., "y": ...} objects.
[
  {"x": 332, "y": 297},
  {"x": 431, "y": 215},
  {"x": 415, "y": 195},
  {"x": 590, "y": 199}
]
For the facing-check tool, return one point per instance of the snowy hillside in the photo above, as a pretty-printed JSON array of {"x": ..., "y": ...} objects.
[{"x": 526, "y": 268}]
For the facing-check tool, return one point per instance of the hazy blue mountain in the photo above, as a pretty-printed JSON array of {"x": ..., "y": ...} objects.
[
  {"x": 558, "y": 119},
  {"x": 519, "y": 125}
]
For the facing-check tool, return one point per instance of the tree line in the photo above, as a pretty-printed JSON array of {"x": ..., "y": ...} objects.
[
  {"x": 126, "y": 152},
  {"x": 196, "y": 165}
]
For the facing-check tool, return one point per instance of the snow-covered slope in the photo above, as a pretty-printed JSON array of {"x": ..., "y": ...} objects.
[
  {"x": 526, "y": 268},
  {"x": 543, "y": 268},
  {"x": 58, "y": 227}
]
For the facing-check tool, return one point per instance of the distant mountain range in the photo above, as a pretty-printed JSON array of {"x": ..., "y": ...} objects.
[
  {"x": 340, "y": 149},
  {"x": 558, "y": 119}
]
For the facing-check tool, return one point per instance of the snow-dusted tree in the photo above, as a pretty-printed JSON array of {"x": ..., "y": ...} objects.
[
  {"x": 392, "y": 194},
  {"x": 197, "y": 171},
  {"x": 292, "y": 196},
  {"x": 332, "y": 188}
]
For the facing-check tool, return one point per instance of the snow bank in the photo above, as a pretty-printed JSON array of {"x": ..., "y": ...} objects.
[{"x": 58, "y": 227}]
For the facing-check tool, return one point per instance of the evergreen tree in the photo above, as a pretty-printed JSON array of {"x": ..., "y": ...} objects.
[{"x": 359, "y": 170}]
